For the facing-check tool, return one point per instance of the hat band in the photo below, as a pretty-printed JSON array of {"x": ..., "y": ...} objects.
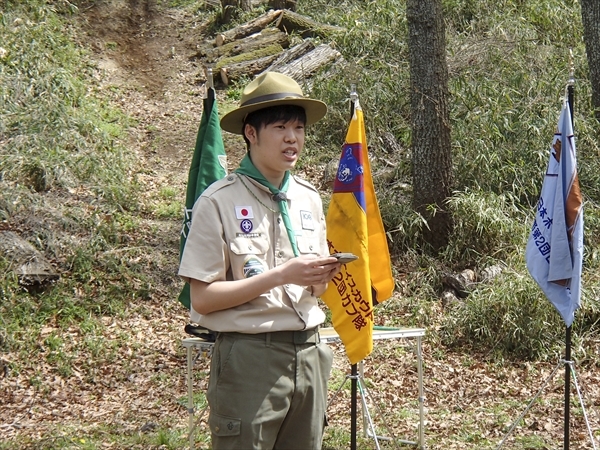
[{"x": 267, "y": 98}]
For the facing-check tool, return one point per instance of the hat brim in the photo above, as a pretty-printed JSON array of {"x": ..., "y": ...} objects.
[{"x": 234, "y": 121}]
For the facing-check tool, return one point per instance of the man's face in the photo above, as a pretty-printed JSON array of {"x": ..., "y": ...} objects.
[{"x": 276, "y": 147}]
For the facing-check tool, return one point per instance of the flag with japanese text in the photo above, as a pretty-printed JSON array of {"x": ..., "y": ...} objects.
[
  {"x": 354, "y": 225},
  {"x": 209, "y": 163},
  {"x": 554, "y": 252}
]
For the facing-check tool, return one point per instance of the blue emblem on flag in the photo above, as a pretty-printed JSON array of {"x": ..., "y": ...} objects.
[{"x": 350, "y": 176}]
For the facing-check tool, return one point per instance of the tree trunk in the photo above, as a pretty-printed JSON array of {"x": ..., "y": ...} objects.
[
  {"x": 431, "y": 149},
  {"x": 283, "y": 4},
  {"x": 590, "y": 15},
  {"x": 229, "y": 7}
]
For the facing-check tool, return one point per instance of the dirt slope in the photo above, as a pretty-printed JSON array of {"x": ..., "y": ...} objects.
[{"x": 144, "y": 53}]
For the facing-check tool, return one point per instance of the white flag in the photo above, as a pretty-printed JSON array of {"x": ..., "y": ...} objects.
[{"x": 554, "y": 251}]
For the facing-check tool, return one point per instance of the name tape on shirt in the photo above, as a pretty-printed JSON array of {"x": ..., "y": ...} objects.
[{"x": 307, "y": 220}]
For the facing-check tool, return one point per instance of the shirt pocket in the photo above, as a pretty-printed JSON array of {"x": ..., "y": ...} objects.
[
  {"x": 248, "y": 256},
  {"x": 308, "y": 245}
]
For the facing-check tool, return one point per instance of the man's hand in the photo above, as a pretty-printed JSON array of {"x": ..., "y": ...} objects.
[
  {"x": 315, "y": 271},
  {"x": 310, "y": 270}
]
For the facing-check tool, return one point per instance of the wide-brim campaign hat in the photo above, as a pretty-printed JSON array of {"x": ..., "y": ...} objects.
[{"x": 271, "y": 89}]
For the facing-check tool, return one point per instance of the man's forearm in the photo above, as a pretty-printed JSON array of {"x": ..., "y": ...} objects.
[{"x": 219, "y": 295}]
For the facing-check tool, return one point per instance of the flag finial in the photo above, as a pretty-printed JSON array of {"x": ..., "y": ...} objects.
[
  {"x": 209, "y": 78},
  {"x": 353, "y": 98},
  {"x": 571, "y": 81}
]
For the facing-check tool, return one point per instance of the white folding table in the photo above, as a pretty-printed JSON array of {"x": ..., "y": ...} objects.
[{"x": 330, "y": 335}]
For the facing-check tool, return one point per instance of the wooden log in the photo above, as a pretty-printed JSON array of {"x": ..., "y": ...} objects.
[
  {"x": 266, "y": 37},
  {"x": 254, "y": 26},
  {"x": 234, "y": 72},
  {"x": 291, "y": 54},
  {"x": 311, "y": 62},
  {"x": 290, "y": 21},
  {"x": 270, "y": 50}
]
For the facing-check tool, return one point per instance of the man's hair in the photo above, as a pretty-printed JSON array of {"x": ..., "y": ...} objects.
[{"x": 272, "y": 114}]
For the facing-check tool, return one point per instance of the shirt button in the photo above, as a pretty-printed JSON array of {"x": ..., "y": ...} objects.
[
  {"x": 279, "y": 220},
  {"x": 310, "y": 247},
  {"x": 300, "y": 312},
  {"x": 280, "y": 254},
  {"x": 249, "y": 247},
  {"x": 217, "y": 429}
]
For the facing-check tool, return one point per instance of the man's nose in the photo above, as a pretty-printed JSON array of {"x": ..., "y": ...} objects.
[{"x": 290, "y": 135}]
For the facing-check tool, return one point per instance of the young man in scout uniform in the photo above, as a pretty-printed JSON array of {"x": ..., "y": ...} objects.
[{"x": 256, "y": 258}]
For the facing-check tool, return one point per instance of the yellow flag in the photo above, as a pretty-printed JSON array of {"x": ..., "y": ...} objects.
[{"x": 354, "y": 225}]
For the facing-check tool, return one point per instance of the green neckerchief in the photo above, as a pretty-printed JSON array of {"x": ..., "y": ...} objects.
[{"x": 247, "y": 168}]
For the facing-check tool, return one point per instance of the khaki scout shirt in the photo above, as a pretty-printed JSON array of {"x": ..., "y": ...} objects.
[{"x": 233, "y": 236}]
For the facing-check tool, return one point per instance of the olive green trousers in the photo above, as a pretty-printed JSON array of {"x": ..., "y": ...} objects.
[{"x": 268, "y": 391}]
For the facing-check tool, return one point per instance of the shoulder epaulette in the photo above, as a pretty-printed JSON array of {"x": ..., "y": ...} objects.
[
  {"x": 305, "y": 183},
  {"x": 219, "y": 184}
]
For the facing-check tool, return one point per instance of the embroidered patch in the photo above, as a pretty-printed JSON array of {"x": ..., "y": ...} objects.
[
  {"x": 244, "y": 212},
  {"x": 253, "y": 266},
  {"x": 307, "y": 220},
  {"x": 248, "y": 235},
  {"x": 246, "y": 226}
]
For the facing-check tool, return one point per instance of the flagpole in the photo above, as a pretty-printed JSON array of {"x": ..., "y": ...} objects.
[
  {"x": 570, "y": 98},
  {"x": 354, "y": 369},
  {"x": 567, "y": 387}
]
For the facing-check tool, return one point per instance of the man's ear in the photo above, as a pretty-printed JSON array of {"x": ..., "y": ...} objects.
[{"x": 251, "y": 133}]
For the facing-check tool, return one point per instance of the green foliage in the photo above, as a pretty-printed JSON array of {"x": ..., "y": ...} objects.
[
  {"x": 510, "y": 316},
  {"x": 485, "y": 224},
  {"x": 403, "y": 224},
  {"x": 375, "y": 49},
  {"x": 55, "y": 132}
]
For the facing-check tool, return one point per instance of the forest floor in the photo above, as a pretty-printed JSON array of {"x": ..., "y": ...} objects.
[{"x": 144, "y": 54}]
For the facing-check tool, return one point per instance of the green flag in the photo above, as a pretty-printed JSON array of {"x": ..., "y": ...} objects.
[{"x": 209, "y": 164}]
